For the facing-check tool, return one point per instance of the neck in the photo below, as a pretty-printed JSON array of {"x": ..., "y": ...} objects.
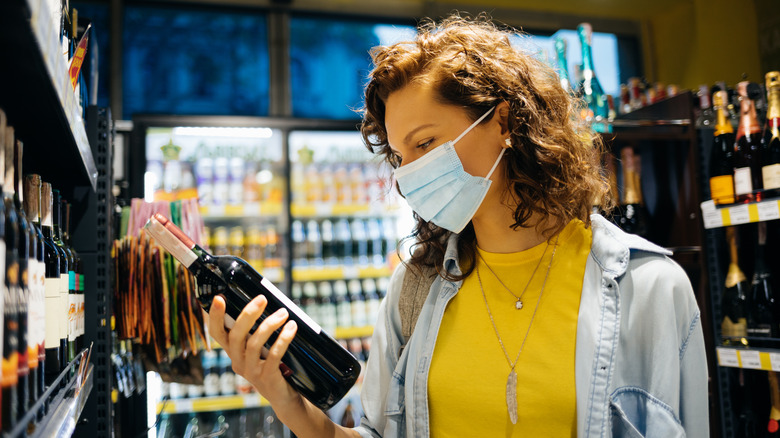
[{"x": 494, "y": 233}]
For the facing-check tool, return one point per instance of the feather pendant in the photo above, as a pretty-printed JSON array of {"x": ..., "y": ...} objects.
[{"x": 511, "y": 396}]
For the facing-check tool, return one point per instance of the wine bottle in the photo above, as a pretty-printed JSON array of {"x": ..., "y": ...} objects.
[
  {"x": 590, "y": 88},
  {"x": 315, "y": 364},
  {"x": 747, "y": 159},
  {"x": 10, "y": 362},
  {"x": 32, "y": 202},
  {"x": 65, "y": 267},
  {"x": 706, "y": 116},
  {"x": 53, "y": 259},
  {"x": 722, "y": 156},
  {"x": 774, "y": 411},
  {"x": 634, "y": 215},
  {"x": 770, "y": 169},
  {"x": 734, "y": 324},
  {"x": 561, "y": 66},
  {"x": 13, "y": 155},
  {"x": 761, "y": 320}
]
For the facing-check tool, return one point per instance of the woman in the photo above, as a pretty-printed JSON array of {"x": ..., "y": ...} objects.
[{"x": 543, "y": 320}]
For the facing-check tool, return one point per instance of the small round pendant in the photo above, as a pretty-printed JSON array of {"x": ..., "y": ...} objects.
[{"x": 518, "y": 305}]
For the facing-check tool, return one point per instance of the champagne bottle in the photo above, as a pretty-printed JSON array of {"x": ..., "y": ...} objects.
[
  {"x": 53, "y": 259},
  {"x": 706, "y": 116},
  {"x": 722, "y": 156},
  {"x": 9, "y": 378},
  {"x": 315, "y": 364},
  {"x": 747, "y": 159},
  {"x": 32, "y": 202},
  {"x": 561, "y": 66},
  {"x": 634, "y": 216},
  {"x": 590, "y": 88},
  {"x": 734, "y": 324},
  {"x": 770, "y": 169},
  {"x": 761, "y": 320}
]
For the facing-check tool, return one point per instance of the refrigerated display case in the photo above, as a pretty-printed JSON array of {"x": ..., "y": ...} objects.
[{"x": 308, "y": 206}]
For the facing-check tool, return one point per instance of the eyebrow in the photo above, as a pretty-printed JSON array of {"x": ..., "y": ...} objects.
[{"x": 415, "y": 130}]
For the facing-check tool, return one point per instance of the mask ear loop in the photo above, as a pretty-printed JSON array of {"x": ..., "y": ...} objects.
[
  {"x": 498, "y": 160},
  {"x": 473, "y": 125}
]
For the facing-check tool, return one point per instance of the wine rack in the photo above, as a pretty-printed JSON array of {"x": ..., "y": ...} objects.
[
  {"x": 716, "y": 216},
  {"x": 211, "y": 404}
]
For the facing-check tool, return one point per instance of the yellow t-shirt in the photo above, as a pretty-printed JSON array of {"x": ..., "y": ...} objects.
[{"x": 469, "y": 371}]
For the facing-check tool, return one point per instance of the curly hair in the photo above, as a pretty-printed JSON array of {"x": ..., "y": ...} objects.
[{"x": 553, "y": 167}]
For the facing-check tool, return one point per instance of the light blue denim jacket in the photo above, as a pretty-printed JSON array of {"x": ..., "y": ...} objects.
[{"x": 640, "y": 369}]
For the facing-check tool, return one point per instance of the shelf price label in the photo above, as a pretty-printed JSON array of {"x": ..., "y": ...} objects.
[
  {"x": 727, "y": 357},
  {"x": 769, "y": 210},
  {"x": 774, "y": 361},
  {"x": 711, "y": 215},
  {"x": 739, "y": 214},
  {"x": 750, "y": 359}
]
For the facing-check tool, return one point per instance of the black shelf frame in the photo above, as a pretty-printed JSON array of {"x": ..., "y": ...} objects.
[{"x": 33, "y": 104}]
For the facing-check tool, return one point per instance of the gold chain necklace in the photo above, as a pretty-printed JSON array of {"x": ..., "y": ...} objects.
[
  {"x": 519, "y": 302},
  {"x": 511, "y": 381}
]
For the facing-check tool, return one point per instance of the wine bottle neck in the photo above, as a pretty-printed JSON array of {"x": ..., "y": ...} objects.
[
  {"x": 587, "y": 57},
  {"x": 748, "y": 123}
]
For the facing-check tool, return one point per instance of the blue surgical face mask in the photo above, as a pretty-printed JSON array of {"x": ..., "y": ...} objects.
[{"x": 439, "y": 190}]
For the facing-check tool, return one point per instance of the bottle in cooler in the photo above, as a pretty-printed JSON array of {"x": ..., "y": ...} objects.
[
  {"x": 314, "y": 244},
  {"x": 359, "y": 241},
  {"x": 343, "y": 306},
  {"x": 328, "y": 309}
]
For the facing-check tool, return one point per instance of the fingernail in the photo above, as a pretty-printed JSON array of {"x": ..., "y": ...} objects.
[
  {"x": 281, "y": 313},
  {"x": 290, "y": 326}
]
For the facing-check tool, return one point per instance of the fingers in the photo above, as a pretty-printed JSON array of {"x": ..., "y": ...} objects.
[
  {"x": 240, "y": 330},
  {"x": 255, "y": 343},
  {"x": 279, "y": 347},
  {"x": 216, "y": 317}
]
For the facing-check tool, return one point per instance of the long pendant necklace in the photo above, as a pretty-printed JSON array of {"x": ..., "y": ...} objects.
[
  {"x": 511, "y": 381},
  {"x": 519, "y": 302}
]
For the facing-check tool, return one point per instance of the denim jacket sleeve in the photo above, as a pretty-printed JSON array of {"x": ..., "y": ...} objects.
[{"x": 380, "y": 401}]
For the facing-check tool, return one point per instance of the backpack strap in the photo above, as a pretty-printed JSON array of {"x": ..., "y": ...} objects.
[{"x": 414, "y": 292}]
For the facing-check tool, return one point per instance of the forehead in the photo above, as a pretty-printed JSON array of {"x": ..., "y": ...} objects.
[{"x": 410, "y": 107}]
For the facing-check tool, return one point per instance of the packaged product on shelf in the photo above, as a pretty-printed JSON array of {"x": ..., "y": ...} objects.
[
  {"x": 329, "y": 189},
  {"x": 372, "y": 299},
  {"x": 204, "y": 173},
  {"x": 381, "y": 287},
  {"x": 194, "y": 391},
  {"x": 314, "y": 244},
  {"x": 250, "y": 184},
  {"x": 357, "y": 303},
  {"x": 227, "y": 379},
  {"x": 343, "y": 241},
  {"x": 220, "y": 239},
  {"x": 254, "y": 248},
  {"x": 328, "y": 243},
  {"x": 343, "y": 306},
  {"x": 236, "y": 242},
  {"x": 375, "y": 242},
  {"x": 309, "y": 302},
  {"x": 272, "y": 258},
  {"x": 210, "y": 373},
  {"x": 359, "y": 241},
  {"x": 236, "y": 181},
  {"x": 243, "y": 386},
  {"x": 327, "y": 311},
  {"x": 357, "y": 184},
  {"x": 300, "y": 246},
  {"x": 221, "y": 185}
]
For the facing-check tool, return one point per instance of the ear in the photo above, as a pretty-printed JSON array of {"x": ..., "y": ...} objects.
[{"x": 502, "y": 118}]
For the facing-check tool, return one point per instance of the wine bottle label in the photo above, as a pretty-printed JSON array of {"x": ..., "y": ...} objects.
[
  {"x": 227, "y": 383},
  {"x": 771, "y": 176},
  {"x": 731, "y": 329},
  {"x": 171, "y": 243},
  {"x": 71, "y": 317},
  {"x": 722, "y": 189},
  {"x": 743, "y": 183},
  {"x": 291, "y": 306},
  {"x": 64, "y": 306}
]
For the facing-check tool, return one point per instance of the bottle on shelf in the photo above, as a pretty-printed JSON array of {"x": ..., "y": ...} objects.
[
  {"x": 734, "y": 324},
  {"x": 343, "y": 241},
  {"x": 52, "y": 258},
  {"x": 762, "y": 317},
  {"x": 210, "y": 362},
  {"x": 706, "y": 117},
  {"x": 9, "y": 377},
  {"x": 770, "y": 166},
  {"x": 357, "y": 303},
  {"x": 357, "y": 229},
  {"x": 590, "y": 88},
  {"x": 25, "y": 368},
  {"x": 721, "y": 164},
  {"x": 299, "y": 244},
  {"x": 32, "y": 202},
  {"x": 227, "y": 378},
  {"x": 747, "y": 152},
  {"x": 343, "y": 305},
  {"x": 561, "y": 66},
  {"x": 315, "y": 364},
  {"x": 67, "y": 283},
  {"x": 328, "y": 312},
  {"x": 328, "y": 244},
  {"x": 634, "y": 218},
  {"x": 314, "y": 246},
  {"x": 372, "y": 298}
]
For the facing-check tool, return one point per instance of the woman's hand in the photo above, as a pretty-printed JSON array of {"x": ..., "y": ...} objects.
[{"x": 250, "y": 359}]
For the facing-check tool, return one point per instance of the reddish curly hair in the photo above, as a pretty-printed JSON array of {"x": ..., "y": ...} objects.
[{"x": 553, "y": 167}]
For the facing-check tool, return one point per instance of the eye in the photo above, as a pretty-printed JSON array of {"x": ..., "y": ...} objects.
[{"x": 425, "y": 145}]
